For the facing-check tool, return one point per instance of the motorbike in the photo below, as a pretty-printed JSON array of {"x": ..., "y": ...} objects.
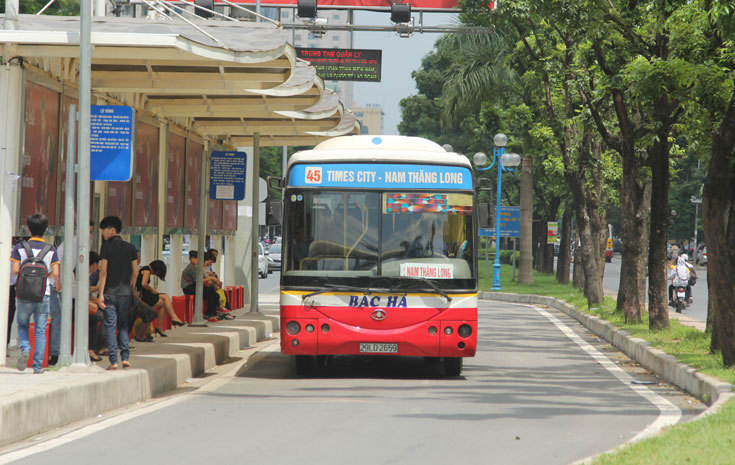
[{"x": 680, "y": 300}]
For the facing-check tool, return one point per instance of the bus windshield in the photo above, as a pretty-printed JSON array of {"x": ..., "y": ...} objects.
[{"x": 360, "y": 238}]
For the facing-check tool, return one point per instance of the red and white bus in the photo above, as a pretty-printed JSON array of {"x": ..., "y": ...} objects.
[{"x": 379, "y": 252}]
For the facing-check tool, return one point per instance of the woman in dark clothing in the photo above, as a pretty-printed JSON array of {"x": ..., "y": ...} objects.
[{"x": 159, "y": 301}]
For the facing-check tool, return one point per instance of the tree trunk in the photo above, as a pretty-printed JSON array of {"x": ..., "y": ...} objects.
[
  {"x": 562, "y": 263},
  {"x": 525, "y": 271},
  {"x": 584, "y": 202},
  {"x": 577, "y": 273},
  {"x": 633, "y": 211},
  {"x": 658, "y": 313},
  {"x": 718, "y": 208},
  {"x": 549, "y": 259},
  {"x": 643, "y": 263},
  {"x": 539, "y": 241},
  {"x": 714, "y": 345}
]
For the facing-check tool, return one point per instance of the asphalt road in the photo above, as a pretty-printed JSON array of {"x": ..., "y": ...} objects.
[
  {"x": 271, "y": 284},
  {"x": 697, "y": 310},
  {"x": 532, "y": 395}
]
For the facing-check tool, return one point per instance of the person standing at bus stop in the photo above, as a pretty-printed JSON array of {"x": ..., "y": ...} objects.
[
  {"x": 39, "y": 310},
  {"x": 118, "y": 273}
]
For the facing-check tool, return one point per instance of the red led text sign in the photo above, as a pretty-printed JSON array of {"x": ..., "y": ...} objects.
[{"x": 334, "y": 64}]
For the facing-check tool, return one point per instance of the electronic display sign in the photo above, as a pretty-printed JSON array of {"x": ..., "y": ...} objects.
[{"x": 334, "y": 64}]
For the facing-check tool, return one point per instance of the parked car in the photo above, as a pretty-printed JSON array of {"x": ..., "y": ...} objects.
[
  {"x": 262, "y": 261},
  {"x": 702, "y": 256},
  {"x": 274, "y": 257}
]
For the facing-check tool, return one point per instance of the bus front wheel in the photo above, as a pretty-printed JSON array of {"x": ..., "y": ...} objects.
[{"x": 452, "y": 366}]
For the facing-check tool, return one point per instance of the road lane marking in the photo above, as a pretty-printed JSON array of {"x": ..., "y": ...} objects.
[
  {"x": 669, "y": 414},
  {"x": 83, "y": 431}
]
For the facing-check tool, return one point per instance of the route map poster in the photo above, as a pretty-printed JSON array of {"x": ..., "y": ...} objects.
[
  {"x": 176, "y": 181},
  {"x": 40, "y": 153},
  {"x": 145, "y": 179},
  {"x": 333, "y": 64}
]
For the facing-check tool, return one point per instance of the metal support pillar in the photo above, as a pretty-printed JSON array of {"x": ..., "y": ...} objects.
[
  {"x": 81, "y": 313},
  {"x": 255, "y": 232},
  {"x": 70, "y": 251},
  {"x": 202, "y": 236},
  {"x": 496, "y": 263}
]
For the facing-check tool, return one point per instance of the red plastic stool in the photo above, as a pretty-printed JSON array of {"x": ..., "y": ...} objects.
[
  {"x": 240, "y": 296},
  {"x": 181, "y": 307},
  {"x": 32, "y": 339}
]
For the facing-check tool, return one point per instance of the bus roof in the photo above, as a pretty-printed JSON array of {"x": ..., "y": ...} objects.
[{"x": 393, "y": 149}]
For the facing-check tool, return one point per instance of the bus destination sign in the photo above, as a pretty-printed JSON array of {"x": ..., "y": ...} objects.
[
  {"x": 334, "y": 64},
  {"x": 380, "y": 176}
]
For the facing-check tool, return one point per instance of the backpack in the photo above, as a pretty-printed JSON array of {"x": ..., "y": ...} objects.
[{"x": 32, "y": 275}]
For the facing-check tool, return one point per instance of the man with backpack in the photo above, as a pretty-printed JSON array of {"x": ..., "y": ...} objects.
[{"x": 36, "y": 264}]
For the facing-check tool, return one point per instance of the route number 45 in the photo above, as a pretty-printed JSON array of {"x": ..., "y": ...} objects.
[{"x": 313, "y": 175}]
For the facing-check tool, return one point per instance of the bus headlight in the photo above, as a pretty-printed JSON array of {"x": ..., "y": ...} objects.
[
  {"x": 293, "y": 328},
  {"x": 448, "y": 330},
  {"x": 465, "y": 331}
]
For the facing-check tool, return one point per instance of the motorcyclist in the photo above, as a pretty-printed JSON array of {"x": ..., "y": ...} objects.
[{"x": 679, "y": 276}]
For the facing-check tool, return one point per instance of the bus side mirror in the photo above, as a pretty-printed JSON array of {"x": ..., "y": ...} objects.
[
  {"x": 275, "y": 182},
  {"x": 274, "y": 213},
  {"x": 483, "y": 215}
]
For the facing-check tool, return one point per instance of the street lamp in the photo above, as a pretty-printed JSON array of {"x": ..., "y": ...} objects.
[{"x": 506, "y": 162}]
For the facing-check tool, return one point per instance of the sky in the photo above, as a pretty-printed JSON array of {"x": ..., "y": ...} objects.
[{"x": 401, "y": 56}]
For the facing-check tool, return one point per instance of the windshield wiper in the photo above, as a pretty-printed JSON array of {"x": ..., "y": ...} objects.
[
  {"x": 430, "y": 284},
  {"x": 338, "y": 287}
]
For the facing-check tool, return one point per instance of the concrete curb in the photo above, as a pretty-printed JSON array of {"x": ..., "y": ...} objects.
[
  {"x": 704, "y": 387},
  {"x": 73, "y": 393}
]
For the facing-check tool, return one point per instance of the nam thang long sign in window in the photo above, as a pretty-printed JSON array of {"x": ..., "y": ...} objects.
[{"x": 344, "y": 64}]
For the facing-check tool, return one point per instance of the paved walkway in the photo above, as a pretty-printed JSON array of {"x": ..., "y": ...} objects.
[{"x": 31, "y": 404}]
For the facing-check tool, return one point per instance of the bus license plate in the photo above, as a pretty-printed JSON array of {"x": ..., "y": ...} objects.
[{"x": 378, "y": 348}]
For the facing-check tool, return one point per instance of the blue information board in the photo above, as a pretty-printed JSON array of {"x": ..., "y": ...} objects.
[
  {"x": 510, "y": 223},
  {"x": 111, "y": 143},
  {"x": 227, "y": 175},
  {"x": 380, "y": 176}
]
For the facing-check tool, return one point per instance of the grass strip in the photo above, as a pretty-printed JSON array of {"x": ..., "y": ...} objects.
[{"x": 708, "y": 441}]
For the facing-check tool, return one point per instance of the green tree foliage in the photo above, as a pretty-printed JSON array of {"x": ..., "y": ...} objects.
[{"x": 59, "y": 7}]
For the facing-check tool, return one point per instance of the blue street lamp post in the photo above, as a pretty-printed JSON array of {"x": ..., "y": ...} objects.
[{"x": 505, "y": 163}]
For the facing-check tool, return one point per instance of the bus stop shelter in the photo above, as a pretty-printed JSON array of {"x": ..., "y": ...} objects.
[{"x": 194, "y": 89}]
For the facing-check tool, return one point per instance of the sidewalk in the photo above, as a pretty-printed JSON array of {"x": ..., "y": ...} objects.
[
  {"x": 31, "y": 404},
  {"x": 683, "y": 319}
]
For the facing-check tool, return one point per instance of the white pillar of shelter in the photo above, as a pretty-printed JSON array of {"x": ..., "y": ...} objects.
[
  {"x": 229, "y": 265},
  {"x": 99, "y": 8},
  {"x": 218, "y": 267},
  {"x": 254, "y": 294},
  {"x": 147, "y": 249},
  {"x": 11, "y": 85},
  {"x": 175, "y": 266},
  {"x": 243, "y": 240}
]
